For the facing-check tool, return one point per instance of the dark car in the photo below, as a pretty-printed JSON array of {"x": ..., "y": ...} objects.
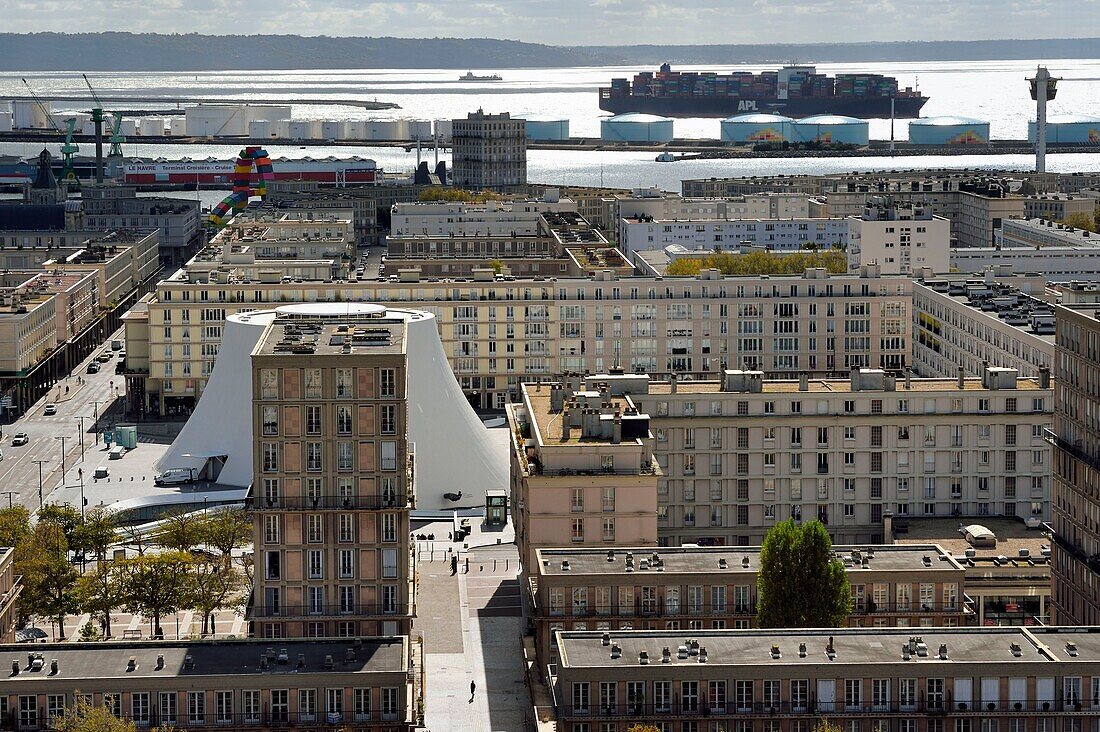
[{"x": 93, "y": 367}]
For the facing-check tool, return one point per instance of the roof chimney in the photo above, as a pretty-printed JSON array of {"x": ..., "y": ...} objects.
[
  {"x": 803, "y": 382},
  {"x": 672, "y": 383},
  {"x": 1044, "y": 377},
  {"x": 962, "y": 378},
  {"x": 617, "y": 429}
]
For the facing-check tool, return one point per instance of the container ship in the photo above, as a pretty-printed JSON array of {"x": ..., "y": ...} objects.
[{"x": 793, "y": 91}]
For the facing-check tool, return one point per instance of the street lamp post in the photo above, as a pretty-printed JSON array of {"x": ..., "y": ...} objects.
[
  {"x": 9, "y": 494},
  {"x": 63, "y": 471},
  {"x": 80, "y": 474},
  {"x": 41, "y": 501},
  {"x": 95, "y": 407},
  {"x": 81, "y": 419}
]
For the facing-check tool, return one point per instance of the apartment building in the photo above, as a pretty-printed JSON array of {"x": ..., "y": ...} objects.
[
  {"x": 691, "y": 588},
  {"x": 488, "y": 151},
  {"x": 11, "y": 586},
  {"x": 741, "y": 453},
  {"x": 657, "y": 204},
  {"x": 227, "y": 684},
  {"x": 178, "y": 221},
  {"x": 582, "y": 469},
  {"x": 889, "y": 679},
  {"x": 967, "y": 323},
  {"x": 805, "y": 185},
  {"x": 296, "y": 233},
  {"x": 501, "y": 333},
  {"x": 644, "y": 234},
  {"x": 333, "y": 487},
  {"x": 1058, "y": 207},
  {"x": 900, "y": 238},
  {"x": 1075, "y": 554}
]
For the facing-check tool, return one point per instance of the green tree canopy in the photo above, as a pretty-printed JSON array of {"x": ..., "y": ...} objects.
[
  {"x": 801, "y": 584},
  {"x": 225, "y": 530},
  {"x": 97, "y": 532},
  {"x": 15, "y": 525},
  {"x": 156, "y": 584},
  {"x": 48, "y": 578},
  {"x": 759, "y": 263},
  {"x": 88, "y": 717},
  {"x": 1081, "y": 220}
]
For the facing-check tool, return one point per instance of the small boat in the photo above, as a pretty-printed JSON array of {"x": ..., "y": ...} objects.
[
  {"x": 471, "y": 76},
  {"x": 666, "y": 157}
]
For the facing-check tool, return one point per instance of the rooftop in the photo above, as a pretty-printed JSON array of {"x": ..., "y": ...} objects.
[
  {"x": 96, "y": 661},
  {"x": 1004, "y": 302},
  {"x": 836, "y": 386},
  {"x": 550, "y": 420},
  {"x": 986, "y": 645},
  {"x": 1012, "y": 536},
  {"x": 364, "y": 329},
  {"x": 732, "y": 560}
]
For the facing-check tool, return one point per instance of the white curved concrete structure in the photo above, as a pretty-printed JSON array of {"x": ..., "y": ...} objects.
[{"x": 454, "y": 451}]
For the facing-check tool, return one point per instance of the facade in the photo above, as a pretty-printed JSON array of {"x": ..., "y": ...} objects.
[
  {"x": 965, "y": 323},
  {"x": 693, "y": 588},
  {"x": 739, "y": 454},
  {"x": 582, "y": 469},
  {"x": 1057, "y": 207},
  {"x": 657, "y": 204},
  {"x": 636, "y": 235},
  {"x": 229, "y": 684},
  {"x": 896, "y": 679},
  {"x": 333, "y": 486},
  {"x": 177, "y": 220},
  {"x": 498, "y": 334},
  {"x": 1075, "y": 553},
  {"x": 11, "y": 586},
  {"x": 488, "y": 151},
  {"x": 983, "y": 207},
  {"x": 899, "y": 238}
]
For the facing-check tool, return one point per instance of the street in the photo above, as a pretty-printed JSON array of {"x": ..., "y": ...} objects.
[{"x": 96, "y": 395}]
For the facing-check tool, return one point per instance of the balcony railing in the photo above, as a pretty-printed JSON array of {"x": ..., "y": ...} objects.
[
  {"x": 212, "y": 720},
  {"x": 328, "y": 610},
  {"x": 732, "y": 610},
  {"x": 837, "y": 708},
  {"x": 346, "y": 503}
]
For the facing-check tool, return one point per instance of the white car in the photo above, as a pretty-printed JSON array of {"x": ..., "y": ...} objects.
[
  {"x": 20, "y": 438},
  {"x": 50, "y": 409}
]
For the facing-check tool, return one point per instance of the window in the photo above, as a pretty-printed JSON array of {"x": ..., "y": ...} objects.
[
  {"x": 934, "y": 693},
  {"x": 343, "y": 419},
  {"x": 800, "y": 694},
  {"x": 223, "y": 707},
  {"x": 347, "y": 565},
  {"x": 608, "y": 499},
  {"x": 316, "y": 564},
  {"x": 345, "y": 456},
  {"x": 345, "y": 388},
  {"x": 270, "y": 420},
  {"x": 743, "y": 695},
  {"x": 315, "y": 529},
  {"x": 580, "y": 698},
  {"x": 307, "y": 705},
  {"x": 313, "y": 420},
  {"x": 250, "y": 701},
  {"x": 280, "y": 705},
  {"x": 196, "y": 707},
  {"x": 578, "y": 530},
  {"x": 577, "y": 502},
  {"x": 270, "y": 457},
  {"x": 389, "y": 527},
  {"x": 360, "y": 699},
  {"x": 662, "y": 696},
  {"x": 313, "y": 456},
  {"x": 269, "y": 383},
  {"x": 907, "y": 694},
  {"x": 609, "y": 528},
  {"x": 388, "y": 419},
  {"x": 689, "y": 696},
  {"x": 387, "y": 383},
  {"x": 852, "y": 691}
]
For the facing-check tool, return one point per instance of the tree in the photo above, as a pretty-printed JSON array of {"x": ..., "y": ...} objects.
[
  {"x": 801, "y": 584},
  {"x": 824, "y": 725},
  {"x": 757, "y": 263},
  {"x": 1081, "y": 220},
  {"x": 225, "y": 530},
  {"x": 64, "y": 516},
  {"x": 48, "y": 578},
  {"x": 213, "y": 585},
  {"x": 497, "y": 265},
  {"x": 644, "y": 728},
  {"x": 88, "y": 717},
  {"x": 100, "y": 592},
  {"x": 1096, "y": 219},
  {"x": 15, "y": 525},
  {"x": 97, "y": 532},
  {"x": 156, "y": 584},
  {"x": 181, "y": 532}
]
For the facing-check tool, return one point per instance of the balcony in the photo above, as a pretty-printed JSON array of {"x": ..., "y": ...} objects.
[
  {"x": 319, "y": 503},
  {"x": 334, "y": 610},
  {"x": 228, "y": 721}
]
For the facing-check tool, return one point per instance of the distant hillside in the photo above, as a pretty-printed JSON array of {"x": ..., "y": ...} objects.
[{"x": 194, "y": 52}]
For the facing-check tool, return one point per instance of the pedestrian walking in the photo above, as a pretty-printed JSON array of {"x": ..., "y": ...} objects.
[
  {"x": 454, "y": 565},
  {"x": 473, "y": 688}
]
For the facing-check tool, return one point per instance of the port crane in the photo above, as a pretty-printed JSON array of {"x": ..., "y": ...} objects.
[
  {"x": 68, "y": 148},
  {"x": 98, "y": 119}
]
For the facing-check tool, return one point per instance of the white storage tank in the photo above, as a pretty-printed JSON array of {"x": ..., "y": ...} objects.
[
  {"x": 303, "y": 129},
  {"x": 948, "y": 130},
  {"x": 756, "y": 127},
  {"x": 420, "y": 129},
  {"x": 546, "y": 128},
  {"x": 354, "y": 129},
  {"x": 88, "y": 128},
  {"x": 28, "y": 116},
  {"x": 442, "y": 129},
  {"x": 5, "y": 120},
  {"x": 830, "y": 129},
  {"x": 386, "y": 129},
  {"x": 334, "y": 129},
  {"x": 270, "y": 112},
  {"x": 1076, "y": 129},
  {"x": 260, "y": 129},
  {"x": 151, "y": 127},
  {"x": 206, "y": 120},
  {"x": 282, "y": 129},
  {"x": 177, "y": 126},
  {"x": 636, "y": 127},
  {"x": 128, "y": 127}
]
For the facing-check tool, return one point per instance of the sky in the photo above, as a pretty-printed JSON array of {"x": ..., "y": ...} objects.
[{"x": 576, "y": 22}]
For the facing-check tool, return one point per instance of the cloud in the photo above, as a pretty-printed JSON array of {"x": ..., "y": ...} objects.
[{"x": 576, "y": 22}]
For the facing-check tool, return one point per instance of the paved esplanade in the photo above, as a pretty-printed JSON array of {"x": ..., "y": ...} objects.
[{"x": 472, "y": 631}]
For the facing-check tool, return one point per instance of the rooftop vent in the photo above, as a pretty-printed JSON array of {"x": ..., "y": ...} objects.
[
  {"x": 328, "y": 661},
  {"x": 703, "y": 654},
  {"x": 605, "y": 639},
  {"x": 643, "y": 657},
  {"x": 926, "y": 560},
  {"x": 1071, "y": 649},
  {"x": 565, "y": 565},
  {"x": 666, "y": 655},
  {"x": 263, "y": 661},
  {"x": 189, "y": 661},
  {"x": 160, "y": 661},
  {"x": 301, "y": 660},
  {"x": 283, "y": 657},
  {"x": 611, "y": 555},
  {"x": 616, "y": 650},
  {"x": 775, "y": 651},
  {"x": 38, "y": 663},
  {"x": 830, "y": 650},
  {"x": 15, "y": 667},
  {"x": 943, "y": 651},
  {"x": 54, "y": 667},
  {"x": 131, "y": 664},
  {"x": 682, "y": 652},
  {"x": 905, "y": 652},
  {"x": 801, "y": 650},
  {"x": 1016, "y": 650},
  {"x": 722, "y": 563},
  {"x": 745, "y": 562}
]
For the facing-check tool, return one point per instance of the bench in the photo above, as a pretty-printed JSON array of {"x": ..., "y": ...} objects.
[{"x": 135, "y": 633}]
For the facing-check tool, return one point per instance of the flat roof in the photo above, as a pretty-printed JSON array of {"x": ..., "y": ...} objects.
[
  {"x": 697, "y": 560},
  {"x": 549, "y": 422},
  {"x": 96, "y": 661},
  {"x": 357, "y": 335},
  {"x": 992, "y": 645},
  {"x": 838, "y": 386},
  {"x": 1012, "y": 535}
]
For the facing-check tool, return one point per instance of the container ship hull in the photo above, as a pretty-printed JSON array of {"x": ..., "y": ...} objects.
[{"x": 683, "y": 106}]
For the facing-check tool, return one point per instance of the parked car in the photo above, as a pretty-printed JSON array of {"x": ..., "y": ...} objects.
[
  {"x": 50, "y": 409},
  {"x": 20, "y": 438},
  {"x": 104, "y": 357},
  {"x": 116, "y": 453},
  {"x": 93, "y": 367}
]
